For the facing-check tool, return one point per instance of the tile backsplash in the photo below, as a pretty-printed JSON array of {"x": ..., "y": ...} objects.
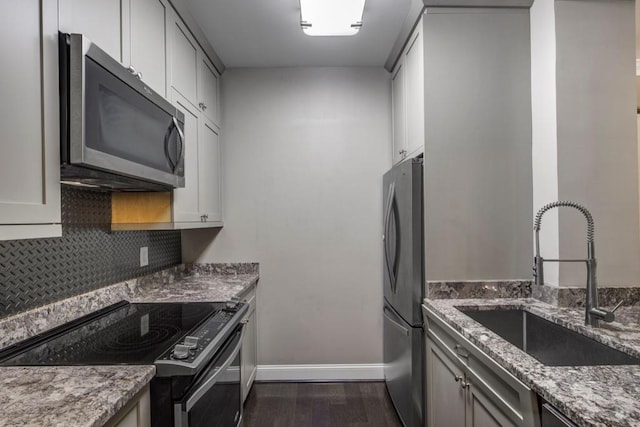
[{"x": 88, "y": 256}]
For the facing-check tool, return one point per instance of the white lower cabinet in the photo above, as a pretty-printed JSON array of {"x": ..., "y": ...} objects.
[
  {"x": 249, "y": 351},
  {"x": 136, "y": 413},
  {"x": 30, "y": 163},
  {"x": 465, "y": 388},
  {"x": 446, "y": 396}
]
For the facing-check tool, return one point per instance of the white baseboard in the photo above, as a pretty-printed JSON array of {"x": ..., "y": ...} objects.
[{"x": 355, "y": 372}]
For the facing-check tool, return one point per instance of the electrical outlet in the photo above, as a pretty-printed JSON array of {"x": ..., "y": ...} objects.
[{"x": 144, "y": 256}]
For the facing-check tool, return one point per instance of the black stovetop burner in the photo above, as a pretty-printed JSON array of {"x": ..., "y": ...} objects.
[{"x": 120, "y": 334}]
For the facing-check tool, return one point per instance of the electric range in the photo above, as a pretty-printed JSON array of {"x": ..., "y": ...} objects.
[{"x": 194, "y": 346}]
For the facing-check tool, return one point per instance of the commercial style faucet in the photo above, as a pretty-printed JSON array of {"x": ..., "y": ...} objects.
[{"x": 593, "y": 314}]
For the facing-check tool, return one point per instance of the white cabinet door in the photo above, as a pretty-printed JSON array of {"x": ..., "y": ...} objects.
[
  {"x": 209, "y": 172},
  {"x": 29, "y": 119},
  {"x": 208, "y": 89},
  {"x": 136, "y": 413},
  {"x": 148, "y": 47},
  {"x": 183, "y": 54},
  {"x": 414, "y": 90},
  {"x": 249, "y": 352},
  {"x": 445, "y": 393},
  {"x": 186, "y": 201},
  {"x": 482, "y": 412},
  {"x": 104, "y": 22},
  {"x": 398, "y": 113}
]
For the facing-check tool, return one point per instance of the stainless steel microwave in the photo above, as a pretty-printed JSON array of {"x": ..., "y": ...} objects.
[{"x": 116, "y": 133}]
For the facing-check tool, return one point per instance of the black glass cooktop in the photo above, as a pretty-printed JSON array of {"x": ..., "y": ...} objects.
[{"x": 122, "y": 334}]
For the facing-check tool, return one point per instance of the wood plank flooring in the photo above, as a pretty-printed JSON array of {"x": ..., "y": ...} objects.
[{"x": 319, "y": 404}]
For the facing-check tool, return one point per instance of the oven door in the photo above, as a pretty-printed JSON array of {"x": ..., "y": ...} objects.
[{"x": 215, "y": 400}]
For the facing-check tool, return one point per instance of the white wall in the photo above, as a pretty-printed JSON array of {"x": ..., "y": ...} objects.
[
  {"x": 544, "y": 129},
  {"x": 304, "y": 151},
  {"x": 597, "y": 137}
]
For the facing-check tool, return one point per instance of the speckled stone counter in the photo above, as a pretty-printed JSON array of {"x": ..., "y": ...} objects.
[
  {"x": 91, "y": 395},
  {"x": 78, "y": 396},
  {"x": 196, "y": 286},
  {"x": 590, "y": 396}
]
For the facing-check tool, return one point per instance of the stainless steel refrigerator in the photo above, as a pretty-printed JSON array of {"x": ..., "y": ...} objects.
[{"x": 403, "y": 333}]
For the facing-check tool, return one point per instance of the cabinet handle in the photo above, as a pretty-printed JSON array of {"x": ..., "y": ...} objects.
[
  {"x": 202, "y": 106},
  {"x": 460, "y": 351},
  {"x": 139, "y": 75},
  {"x": 458, "y": 378},
  {"x": 131, "y": 69},
  {"x": 465, "y": 384}
]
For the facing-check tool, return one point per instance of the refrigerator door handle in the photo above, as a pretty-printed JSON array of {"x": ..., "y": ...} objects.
[
  {"x": 387, "y": 218},
  {"x": 404, "y": 330}
]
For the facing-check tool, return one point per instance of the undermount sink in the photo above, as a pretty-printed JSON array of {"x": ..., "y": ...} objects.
[{"x": 550, "y": 343}]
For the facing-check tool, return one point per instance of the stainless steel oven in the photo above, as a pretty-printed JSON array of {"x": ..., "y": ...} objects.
[
  {"x": 214, "y": 399},
  {"x": 116, "y": 132},
  {"x": 195, "y": 348}
]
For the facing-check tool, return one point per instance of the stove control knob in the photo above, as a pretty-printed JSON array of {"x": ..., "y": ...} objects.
[
  {"x": 191, "y": 342},
  {"x": 180, "y": 352},
  {"x": 231, "y": 305}
]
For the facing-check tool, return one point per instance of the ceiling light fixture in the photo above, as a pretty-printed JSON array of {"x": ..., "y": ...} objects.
[{"x": 331, "y": 17}]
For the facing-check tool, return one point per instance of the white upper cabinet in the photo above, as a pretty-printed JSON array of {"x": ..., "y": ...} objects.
[
  {"x": 414, "y": 65},
  {"x": 399, "y": 116},
  {"x": 208, "y": 89},
  {"x": 209, "y": 172},
  {"x": 407, "y": 91},
  {"x": 186, "y": 201},
  {"x": 104, "y": 22},
  {"x": 148, "y": 47},
  {"x": 130, "y": 31},
  {"x": 183, "y": 67},
  {"x": 199, "y": 203},
  {"x": 30, "y": 164},
  {"x": 190, "y": 71}
]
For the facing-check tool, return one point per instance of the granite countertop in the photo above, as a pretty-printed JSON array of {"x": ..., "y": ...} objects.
[
  {"x": 76, "y": 396},
  {"x": 589, "y": 395},
  {"x": 91, "y": 395},
  {"x": 195, "y": 288}
]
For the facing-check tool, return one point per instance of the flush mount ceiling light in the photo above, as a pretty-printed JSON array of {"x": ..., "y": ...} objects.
[{"x": 331, "y": 17}]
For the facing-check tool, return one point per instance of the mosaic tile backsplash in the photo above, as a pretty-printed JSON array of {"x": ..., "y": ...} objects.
[{"x": 88, "y": 256}]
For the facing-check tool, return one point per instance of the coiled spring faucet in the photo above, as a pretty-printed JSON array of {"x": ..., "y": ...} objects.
[{"x": 593, "y": 314}]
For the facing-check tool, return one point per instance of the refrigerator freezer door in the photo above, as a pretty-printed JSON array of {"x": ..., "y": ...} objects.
[
  {"x": 403, "y": 367},
  {"x": 403, "y": 240}
]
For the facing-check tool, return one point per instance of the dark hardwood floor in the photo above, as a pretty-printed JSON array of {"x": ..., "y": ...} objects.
[{"x": 319, "y": 404}]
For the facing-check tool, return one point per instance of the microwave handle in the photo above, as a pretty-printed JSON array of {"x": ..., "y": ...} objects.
[
  {"x": 181, "y": 138},
  {"x": 167, "y": 140}
]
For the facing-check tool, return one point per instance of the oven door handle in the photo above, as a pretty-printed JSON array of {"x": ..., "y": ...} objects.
[{"x": 210, "y": 382}]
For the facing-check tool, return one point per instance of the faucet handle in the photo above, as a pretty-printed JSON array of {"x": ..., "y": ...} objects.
[
  {"x": 617, "y": 306},
  {"x": 605, "y": 315}
]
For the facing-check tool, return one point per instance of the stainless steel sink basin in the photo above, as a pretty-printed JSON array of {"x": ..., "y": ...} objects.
[{"x": 550, "y": 343}]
